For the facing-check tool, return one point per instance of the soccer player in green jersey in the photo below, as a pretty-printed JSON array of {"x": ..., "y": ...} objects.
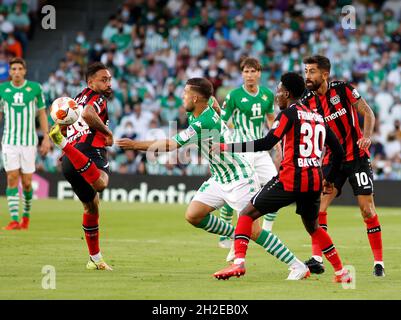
[
  {"x": 233, "y": 180},
  {"x": 249, "y": 106},
  {"x": 20, "y": 100}
]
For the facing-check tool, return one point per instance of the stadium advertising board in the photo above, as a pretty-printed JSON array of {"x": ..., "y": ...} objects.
[{"x": 173, "y": 189}]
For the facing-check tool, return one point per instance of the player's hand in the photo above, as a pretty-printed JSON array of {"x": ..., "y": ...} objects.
[
  {"x": 215, "y": 104},
  {"x": 328, "y": 187},
  {"x": 108, "y": 139},
  {"x": 364, "y": 143},
  {"x": 126, "y": 144},
  {"x": 45, "y": 145},
  {"x": 63, "y": 129}
]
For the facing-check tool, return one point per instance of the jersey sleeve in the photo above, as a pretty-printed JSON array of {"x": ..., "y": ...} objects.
[
  {"x": 187, "y": 136},
  {"x": 281, "y": 126},
  {"x": 97, "y": 102},
  {"x": 227, "y": 108},
  {"x": 351, "y": 93},
  {"x": 40, "y": 98}
]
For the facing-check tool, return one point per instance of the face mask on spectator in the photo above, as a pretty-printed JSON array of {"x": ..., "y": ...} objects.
[
  {"x": 151, "y": 32},
  {"x": 98, "y": 47},
  {"x": 80, "y": 39},
  {"x": 10, "y": 41},
  {"x": 174, "y": 32},
  {"x": 150, "y": 16},
  {"x": 125, "y": 14},
  {"x": 213, "y": 73}
]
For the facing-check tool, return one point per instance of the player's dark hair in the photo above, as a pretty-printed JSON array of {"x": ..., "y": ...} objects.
[
  {"x": 18, "y": 60},
  {"x": 250, "y": 63},
  {"x": 93, "y": 68},
  {"x": 202, "y": 86},
  {"x": 323, "y": 63},
  {"x": 294, "y": 83}
]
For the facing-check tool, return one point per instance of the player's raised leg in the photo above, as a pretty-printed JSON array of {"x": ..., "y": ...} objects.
[
  {"x": 199, "y": 215},
  {"x": 83, "y": 164}
]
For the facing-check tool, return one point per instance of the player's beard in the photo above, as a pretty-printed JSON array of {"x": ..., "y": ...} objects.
[
  {"x": 313, "y": 85},
  {"x": 107, "y": 93}
]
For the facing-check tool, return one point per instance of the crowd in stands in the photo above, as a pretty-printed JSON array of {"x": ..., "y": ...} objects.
[{"x": 152, "y": 47}]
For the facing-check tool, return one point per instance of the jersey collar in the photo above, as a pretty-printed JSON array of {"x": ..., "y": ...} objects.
[
  {"x": 252, "y": 95},
  {"x": 21, "y": 86}
]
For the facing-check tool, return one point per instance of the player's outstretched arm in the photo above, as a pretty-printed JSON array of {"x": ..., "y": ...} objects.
[{"x": 156, "y": 145}]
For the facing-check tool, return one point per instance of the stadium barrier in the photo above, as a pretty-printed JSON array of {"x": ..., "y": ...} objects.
[{"x": 174, "y": 189}]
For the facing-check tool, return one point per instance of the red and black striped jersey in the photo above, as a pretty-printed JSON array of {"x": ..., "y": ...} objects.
[
  {"x": 79, "y": 132},
  {"x": 338, "y": 111},
  {"x": 303, "y": 134}
]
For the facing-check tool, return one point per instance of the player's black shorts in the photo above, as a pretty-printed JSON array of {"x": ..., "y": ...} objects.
[
  {"x": 273, "y": 197},
  {"x": 82, "y": 189},
  {"x": 359, "y": 174}
]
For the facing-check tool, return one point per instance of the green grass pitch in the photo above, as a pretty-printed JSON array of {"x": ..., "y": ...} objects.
[{"x": 156, "y": 254}]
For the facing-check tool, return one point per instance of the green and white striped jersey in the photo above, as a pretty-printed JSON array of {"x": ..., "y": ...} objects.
[
  {"x": 206, "y": 129},
  {"x": 19, "y": 106},
  {"x": 248, "y": 112}
]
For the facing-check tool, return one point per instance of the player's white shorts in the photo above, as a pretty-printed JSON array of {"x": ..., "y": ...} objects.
[
  {"x": 236, "y": 194},
  {"x": 19, "y": 157},
  {"x": 262, "y": 164}
]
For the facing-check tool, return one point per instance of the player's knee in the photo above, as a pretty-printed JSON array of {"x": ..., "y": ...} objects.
[
  {"x": 100, "y": 185},
  {"x": 192, "y": 218},
  {"x": 26, "y": 185},
  {"x": 367, "y": 211}
]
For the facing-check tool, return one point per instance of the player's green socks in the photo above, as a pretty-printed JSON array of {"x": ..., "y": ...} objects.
[
  {"x": 272, "y": 244},
  {"x": 268, "y": 220},
  {"x": 27, "y": 201},
  {"x": 226, "y": 214},
  {"x": 13, "y": 202},
  {"x": 213, "y": 224}
]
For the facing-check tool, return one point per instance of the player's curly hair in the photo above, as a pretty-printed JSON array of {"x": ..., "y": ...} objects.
[{"x": 294, "y": 83}]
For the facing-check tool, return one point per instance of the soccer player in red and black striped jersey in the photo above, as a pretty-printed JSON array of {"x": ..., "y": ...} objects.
[
  {"x": 304, "y": 134},
  {"x": 84, "y": 161},
  {"x": 339, "y": 104}
]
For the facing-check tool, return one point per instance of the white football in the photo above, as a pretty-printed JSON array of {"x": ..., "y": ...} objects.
[{"x": 64, "y": 111}]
